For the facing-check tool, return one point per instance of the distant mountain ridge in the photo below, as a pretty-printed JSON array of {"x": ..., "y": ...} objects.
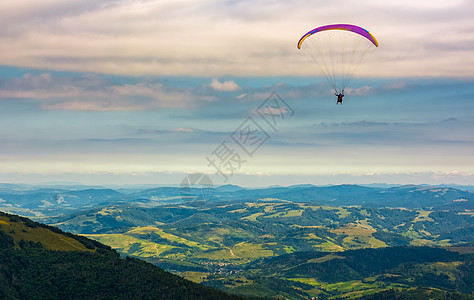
[{"x": 52, "y": 200}]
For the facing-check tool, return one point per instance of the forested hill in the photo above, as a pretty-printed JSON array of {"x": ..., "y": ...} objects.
[{"x": 42, "y": 262}]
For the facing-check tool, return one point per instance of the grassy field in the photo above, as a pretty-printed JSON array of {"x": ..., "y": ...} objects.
[
  {"x": 49, "y": 240},
  {"x": 137, "y": 242},
  {"x": 251, "y": 251},
  {"x": 143, "y": 231},
  {"x": 349, "y": 289},
  {"x": 131, "y": 245},
  {"x": 253, "y": 217}
]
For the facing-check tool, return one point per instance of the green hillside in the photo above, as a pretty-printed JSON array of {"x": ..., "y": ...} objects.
[
  {"x": 418, "y": 293},
  {"x": 24, "y": 231},
  {"x": 42, "y": 262},
  {"x": 240, "y": 232},
  {"x": 352, "y": 274},
  {"x": 289, "y": 250}
]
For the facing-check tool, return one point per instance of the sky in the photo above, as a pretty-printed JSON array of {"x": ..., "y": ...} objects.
[{"x": 130, "y": 92}]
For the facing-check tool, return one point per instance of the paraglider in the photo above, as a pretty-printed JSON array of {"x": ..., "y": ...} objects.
[
  {"x": 339, "y": 97},
  {"x": 338, "y": 50}
]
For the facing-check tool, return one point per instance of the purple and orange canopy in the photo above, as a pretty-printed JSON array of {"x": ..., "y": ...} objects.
[{"x": 348, "y": 27}]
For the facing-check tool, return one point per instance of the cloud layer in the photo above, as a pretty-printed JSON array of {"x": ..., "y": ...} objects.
[
  {"x": 215, "y": 38},
  {"x": 54, "y": 123},
  {"x": 154, "y": 86},
  {"x": 95, "y": 93}
]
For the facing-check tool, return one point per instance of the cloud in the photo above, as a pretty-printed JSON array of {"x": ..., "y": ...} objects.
[
  {"x": 362, "y": 91},
  {"x": 362, "y": 123},
  {"x": 227, "y": 86},
  {"x": 398, "y": 85},
  {"x": 215, "y": 38},
  {"x": 450, "y": 120},
  {"x": 94, "y": 93},
  {"x": 274, "y": 111},
  {"x": 431, "y": 136},
  {"x": 183, "y": 130},
  {"x": 47, "y": 86}
]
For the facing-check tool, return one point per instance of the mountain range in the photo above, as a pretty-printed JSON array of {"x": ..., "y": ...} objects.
[
  {"x": 293, "y": 242},
  {"x": 36, "y": 201}
]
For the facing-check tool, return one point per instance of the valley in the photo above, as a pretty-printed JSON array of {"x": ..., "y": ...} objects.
[{"x": 294, "y": 242}]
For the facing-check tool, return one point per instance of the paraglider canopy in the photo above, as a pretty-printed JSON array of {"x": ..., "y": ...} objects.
[
  {"x": 348, "y": 27},
  {"x": 338, "y": 50}
]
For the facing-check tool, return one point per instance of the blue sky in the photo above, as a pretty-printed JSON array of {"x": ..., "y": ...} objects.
[{"x": 149, "y": 91}]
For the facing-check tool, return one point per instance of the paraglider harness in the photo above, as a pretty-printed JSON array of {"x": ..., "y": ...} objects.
[{"x": 339, "y": 97}]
